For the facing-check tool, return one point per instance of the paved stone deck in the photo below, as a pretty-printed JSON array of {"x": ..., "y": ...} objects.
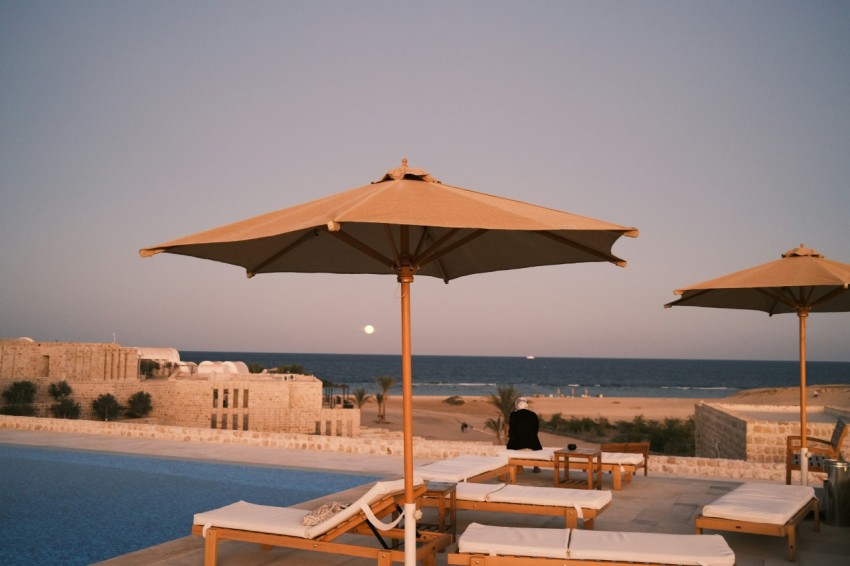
[{"x": 657, "y": 503}]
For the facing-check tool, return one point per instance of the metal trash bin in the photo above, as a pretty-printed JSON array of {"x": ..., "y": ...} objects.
[{"x": 836, "y": 489}]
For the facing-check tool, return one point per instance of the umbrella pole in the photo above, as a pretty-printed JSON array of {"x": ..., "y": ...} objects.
[
  {"x": 803, "y": 314},
  {"x": 405, "y": 277}
]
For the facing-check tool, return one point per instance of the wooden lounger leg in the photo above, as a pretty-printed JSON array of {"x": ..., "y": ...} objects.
[
  {"x": 618, "y": 478},
  {"x": 816, "y": 511},
  {"x": 792, "y": 544},
  {"x": 211, "y": 547}
]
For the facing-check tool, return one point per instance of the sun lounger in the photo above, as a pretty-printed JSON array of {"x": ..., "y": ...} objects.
[
  {"x": 284, "y": 526},
  {"x": 762, "y": 509},
  {"x": 467, "y": 469},
  {"x": 621, "y": 465},
  {"x": 482, "y": 545},
  {"x": 579, "y": 507},
  {"x": 820, "y": 450}
]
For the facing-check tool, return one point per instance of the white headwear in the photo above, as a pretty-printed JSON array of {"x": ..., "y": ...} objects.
[{"x": 521, "y": 403}]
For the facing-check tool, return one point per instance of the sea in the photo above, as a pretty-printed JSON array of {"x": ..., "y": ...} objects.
[{"x": 542, "y": 376}]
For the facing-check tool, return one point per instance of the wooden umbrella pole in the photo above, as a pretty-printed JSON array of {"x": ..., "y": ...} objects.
[
  {"x": 405, "y": 277},
  {"x": 803, "y": 314}
]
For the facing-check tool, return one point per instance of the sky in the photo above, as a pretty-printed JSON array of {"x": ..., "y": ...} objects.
[{"x": 721, "y": 130}]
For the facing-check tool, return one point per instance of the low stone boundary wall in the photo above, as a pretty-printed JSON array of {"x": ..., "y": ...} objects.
[
  {"x": 726, "y": 430},
  {"x": 391, "y": 445}
]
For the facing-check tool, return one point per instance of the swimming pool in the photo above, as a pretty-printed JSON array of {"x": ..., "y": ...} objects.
[{"x": 77, "y": 507}]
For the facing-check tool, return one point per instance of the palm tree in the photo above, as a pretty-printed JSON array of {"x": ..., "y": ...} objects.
[
  {"x": 496, "y": 426},
  {"x": 379, "y": 399},
  {"x": 361, "y": 397},
  {"x": 504, "y": 399},
  {"x": 385, "y": 382}
]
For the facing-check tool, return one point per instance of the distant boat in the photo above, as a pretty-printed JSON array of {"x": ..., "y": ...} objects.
[{"x": 529, "y": 357}]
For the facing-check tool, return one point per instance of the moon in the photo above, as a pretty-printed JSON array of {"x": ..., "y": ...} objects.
[{"x": 368, "y": 329}]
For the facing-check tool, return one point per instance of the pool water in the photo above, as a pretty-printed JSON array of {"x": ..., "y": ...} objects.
[{"x": 76, "y": 507}]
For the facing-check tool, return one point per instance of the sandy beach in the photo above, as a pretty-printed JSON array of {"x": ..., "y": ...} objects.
[{"x": 435, "y": 419}]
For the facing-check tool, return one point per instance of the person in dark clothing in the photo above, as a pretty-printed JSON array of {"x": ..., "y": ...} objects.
[{"x": 522, "y": 429}]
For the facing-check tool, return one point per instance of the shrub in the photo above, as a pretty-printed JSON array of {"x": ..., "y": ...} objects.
[
  {"x": 59, "y": 390},
  {"x": 66, "y": 408},
  {"x": 255, "y": 367},
  {"x": 296, "y": 369},
  {"x": 19, "y": 397},
  {"x": 106, "y": 407},
  {"x": 671, "y": 436},
  {"x": 454, "y": 400},
  {"x": 139, "y": 405}
]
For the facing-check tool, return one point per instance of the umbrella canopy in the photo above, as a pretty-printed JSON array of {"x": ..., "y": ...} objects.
[
  {"x": 406, "y": 218},
  {"x": 802, "y": 281},
  {"x": 405, "y": 224}
]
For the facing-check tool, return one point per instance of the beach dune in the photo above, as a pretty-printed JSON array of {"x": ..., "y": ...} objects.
[{"x": 437, "y": 420}]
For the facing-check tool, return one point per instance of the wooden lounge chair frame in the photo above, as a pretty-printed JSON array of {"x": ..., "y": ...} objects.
[
  {"x": 478, "y": 558},
  {"x": 619, "y": 472},
  {"x": 504, "y": 473},
  {"x": 569, "y": 514},
  {"x": 428, "y": 543},
  {"x": 818, "y": 448},
  {"x": 788, "y": 530},
  {"x": 487, "y": 560}
]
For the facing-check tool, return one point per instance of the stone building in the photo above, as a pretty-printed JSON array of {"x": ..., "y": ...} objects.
[{"x": 219, "y": 395}]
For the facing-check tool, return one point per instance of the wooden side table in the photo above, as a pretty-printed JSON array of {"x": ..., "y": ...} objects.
[
  {"x": 443, "y": 496},
  {"x": 594, "y": 468}
]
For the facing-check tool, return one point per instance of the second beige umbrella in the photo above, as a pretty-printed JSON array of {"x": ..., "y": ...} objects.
[
  {"x": 802, "y": 282},
  {"x": 405, "y": 224}
]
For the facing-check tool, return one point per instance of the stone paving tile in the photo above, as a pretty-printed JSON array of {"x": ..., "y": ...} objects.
[{"x": 656, "y": 503}]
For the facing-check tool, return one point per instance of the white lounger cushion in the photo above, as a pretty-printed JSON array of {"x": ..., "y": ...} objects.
[
  {"x": 577, "y": 544},
  {"x": 769, "y": 503},
  {"x": 533, "y": 495},
  {"x": 554, "y": 496},
  {"x": 514, "y": 541},
  {"x": 622, "y": 458},
  {"x": 476, "y": 491},
  {"x": 697, "y": 550},
  {"x": 460, "y": 468},
  {"x": 258, "y": 518},
  {"x": 287, "y": 520},
  {"x": 547, "y": 454}
]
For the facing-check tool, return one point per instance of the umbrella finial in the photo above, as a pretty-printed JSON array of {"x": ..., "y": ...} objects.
[
  {"x": 802, "y": 251},
  {"x": 404, "y": 172}
]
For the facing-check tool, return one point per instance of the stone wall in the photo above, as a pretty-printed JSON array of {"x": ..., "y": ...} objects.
[
  {"x": 719, "y": 434},
  {"x": 386, "y": 444},
  {"x": 67, "y": 361},
  {"x": 245, "y": 402},
  {"x": 726, "y": 431}
]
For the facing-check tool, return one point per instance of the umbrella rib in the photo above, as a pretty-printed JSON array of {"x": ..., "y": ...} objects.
[
  {"x": 683, "y": 300},
  {"x": 389, "y": 233},
  {"x": 426, "y": 235},
  {"x": 829, "y": 296},
  {"x": 360, "y": 246},
  {"x": 560, "y": 239},
  {"x": 777, "y": 298},
  {"x": 309, "y": 234},
  {"x": 435, "y": 252}
]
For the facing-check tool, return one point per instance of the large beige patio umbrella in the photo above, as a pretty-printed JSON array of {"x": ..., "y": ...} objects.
[
  {"x": 405, "y": 224},
  {"x": 802, "y": 282}
]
